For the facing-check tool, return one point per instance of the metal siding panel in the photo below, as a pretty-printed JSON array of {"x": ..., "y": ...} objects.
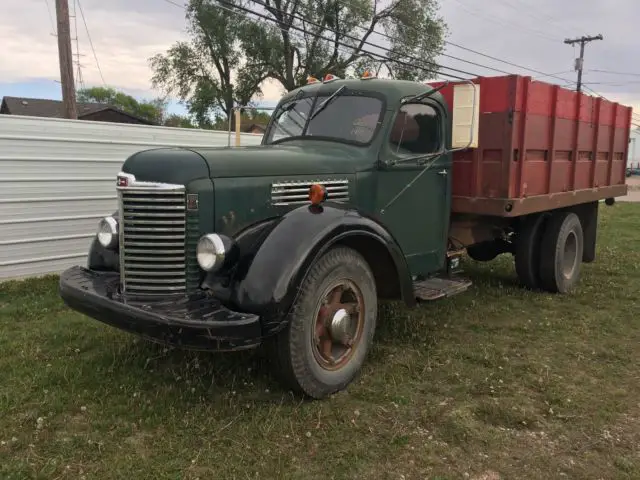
[{"x": 47, "y": 226}]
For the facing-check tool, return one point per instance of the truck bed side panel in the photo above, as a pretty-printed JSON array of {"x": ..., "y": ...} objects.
[{"x": 540, "y": 147}]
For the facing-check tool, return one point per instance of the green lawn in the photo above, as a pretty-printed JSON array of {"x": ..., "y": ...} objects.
[{"x": 495, "y": 383}]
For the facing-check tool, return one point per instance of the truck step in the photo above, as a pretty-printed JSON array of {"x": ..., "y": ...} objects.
[{"x": 439, "y": 287}]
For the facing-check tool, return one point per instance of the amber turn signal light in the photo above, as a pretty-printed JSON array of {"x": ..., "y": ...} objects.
[{"x": 317, "y": 194}]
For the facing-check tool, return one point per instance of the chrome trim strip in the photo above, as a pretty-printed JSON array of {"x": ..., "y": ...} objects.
[
  {"x": 164, "y": 207},
  {"x": 151, "y": 288},
  {"x": 310, "y": 182},
  {"x": 154, "y": 229},
  {"x": 156, "y": 252},
  {"x": 155, "y": 266},
  {"x": 134, "y": 184},
  {"x": 149, "y": 244},
  {"x": 121, "y": 249},
  {"x": 296, "y": 192}
]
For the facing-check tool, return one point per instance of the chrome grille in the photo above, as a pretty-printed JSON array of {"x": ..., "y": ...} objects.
[
  {"x": 152, "y": 238},
  {"x": 293, "y": 193}
]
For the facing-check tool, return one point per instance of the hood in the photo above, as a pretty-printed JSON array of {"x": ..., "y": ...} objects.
[
  {"x": 167, "y": 165},
  {"x": 303, "y": 158}
]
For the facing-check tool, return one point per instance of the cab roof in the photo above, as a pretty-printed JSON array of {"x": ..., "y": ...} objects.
[{"x": 393, "y": 90}]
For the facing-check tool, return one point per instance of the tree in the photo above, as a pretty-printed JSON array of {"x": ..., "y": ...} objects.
[
  {"x": 175, "y": 120},
  {"x": 152, "y": 110},
  {"x": 247, "y": 117},
  {"x": 316, "y": 37},
  {"x": 207, "y": 72}
]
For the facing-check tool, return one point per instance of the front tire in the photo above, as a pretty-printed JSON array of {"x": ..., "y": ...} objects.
[{"x": 330, "y": 327}]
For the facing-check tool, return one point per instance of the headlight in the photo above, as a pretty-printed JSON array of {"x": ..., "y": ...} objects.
[
  {"x": 108, "y": 233},
  {"x": 211, "y": 252}
]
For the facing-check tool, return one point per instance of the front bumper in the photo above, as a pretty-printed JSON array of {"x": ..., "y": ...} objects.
[{"x": 194, "y": 323}]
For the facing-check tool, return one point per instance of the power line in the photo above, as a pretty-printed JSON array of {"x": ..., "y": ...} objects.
[
  {"x": 530, "y": 13},
  {"x": 184, "y": 7},
  {"x": 476, "y": 52},
  {"x": 360, "y": 9},
  {"x": 84, "y": 20},
  {"x": 614, "y": 83},
  {"x": 53, "y": 26},
  {"x": 237, "y": 9},
  {"x": 79, "y": 79},
  {"x": 506, "y": 24},
  {"x": 350, "y": 37},
  {"x": 453, "y": 44},
  {"x": 615, "y": 73}
]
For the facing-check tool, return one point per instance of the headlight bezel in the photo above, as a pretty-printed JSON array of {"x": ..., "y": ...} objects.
[
  {"x": 211, "y": 251},
  {"x": 110, "y": 225}
]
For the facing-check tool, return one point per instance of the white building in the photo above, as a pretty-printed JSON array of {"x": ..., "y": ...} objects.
[
  {"x": 633, "y": 159},
  {"x": 57, "y": 179}
]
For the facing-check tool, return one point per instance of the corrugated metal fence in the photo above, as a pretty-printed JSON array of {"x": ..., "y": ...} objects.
[{"x": 57, "y": 179}]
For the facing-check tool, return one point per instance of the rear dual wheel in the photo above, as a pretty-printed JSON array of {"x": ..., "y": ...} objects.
[
  {"x": 549, "y": 252},
  {"x": 331, "y": 325}
]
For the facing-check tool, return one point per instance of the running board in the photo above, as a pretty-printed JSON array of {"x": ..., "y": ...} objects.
[{"x": 439, "y": 287}]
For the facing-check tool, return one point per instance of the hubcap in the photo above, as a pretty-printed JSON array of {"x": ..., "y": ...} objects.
[
  {"x": 570, "y": 259},
  {"x": 340, "y": 327},
  {"x": 339, "y": 324}
]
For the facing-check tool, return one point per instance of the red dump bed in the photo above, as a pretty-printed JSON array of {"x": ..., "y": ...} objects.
[{"x": 540, "y": 147}]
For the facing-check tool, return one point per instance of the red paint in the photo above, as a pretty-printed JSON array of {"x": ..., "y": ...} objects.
[{"x": 538, "y": 139}]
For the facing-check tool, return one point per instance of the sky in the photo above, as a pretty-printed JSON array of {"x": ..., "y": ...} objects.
[{"x": 528, "y": 33}]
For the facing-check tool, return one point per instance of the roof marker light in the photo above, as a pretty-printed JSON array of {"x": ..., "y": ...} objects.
[
  {"x": 329, "y": 77},
  {"x": 367, "y": 75},
  {"x": 311, "y": 79}
]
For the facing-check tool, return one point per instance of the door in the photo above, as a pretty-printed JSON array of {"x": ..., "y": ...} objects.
[{"x": 413, "y": 185}]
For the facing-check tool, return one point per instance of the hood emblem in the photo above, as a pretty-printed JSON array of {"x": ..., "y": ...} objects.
[{"x": 192, "y": 201}]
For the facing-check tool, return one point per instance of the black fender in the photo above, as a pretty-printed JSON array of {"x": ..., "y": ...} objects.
[{"x": 269, "y": 285}]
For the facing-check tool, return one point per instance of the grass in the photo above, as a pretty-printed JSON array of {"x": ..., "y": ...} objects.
[{"x": 496, "y": 383}]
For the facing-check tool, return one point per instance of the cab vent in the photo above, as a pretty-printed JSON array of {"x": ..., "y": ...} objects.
[{"x": 297, "y": 193}]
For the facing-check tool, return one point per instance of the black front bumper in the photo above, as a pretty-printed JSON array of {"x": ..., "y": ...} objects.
[{"x": 194, "y": 323}]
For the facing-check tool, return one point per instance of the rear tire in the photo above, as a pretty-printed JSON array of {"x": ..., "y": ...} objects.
[
  {"x": 301, "y": 360},
  {"x": 527, "y": 254},
  {"x": 561, "y": 253}
]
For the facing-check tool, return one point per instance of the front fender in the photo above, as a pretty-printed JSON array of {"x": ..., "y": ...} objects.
[{"x": 269, "y": 285}]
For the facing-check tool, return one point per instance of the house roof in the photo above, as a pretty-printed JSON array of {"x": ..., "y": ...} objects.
[{"x": 40, "y": 107}]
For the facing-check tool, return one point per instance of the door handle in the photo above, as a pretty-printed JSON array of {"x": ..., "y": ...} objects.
[{"x": 443, "y": 173}]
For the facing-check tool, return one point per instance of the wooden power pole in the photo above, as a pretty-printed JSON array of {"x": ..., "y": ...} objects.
[
  {"x": 66, "y": 60},
  {"x": 580, "y": 61}
]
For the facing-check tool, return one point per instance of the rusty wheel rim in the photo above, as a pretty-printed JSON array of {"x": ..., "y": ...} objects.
[{"x": 339, "y": 322}]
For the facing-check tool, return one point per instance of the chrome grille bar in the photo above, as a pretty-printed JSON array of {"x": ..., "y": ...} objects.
[
  {"x": 152, "y": 237},
  {"x": 295, "y": 193}
]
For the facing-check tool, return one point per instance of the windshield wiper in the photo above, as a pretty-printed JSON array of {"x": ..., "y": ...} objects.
[
  {"x": 325, "y": 104},
  {"x": 424, "y": 95}
]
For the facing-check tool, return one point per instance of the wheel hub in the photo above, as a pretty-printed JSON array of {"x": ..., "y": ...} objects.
[{"x": 340, "y": 327}]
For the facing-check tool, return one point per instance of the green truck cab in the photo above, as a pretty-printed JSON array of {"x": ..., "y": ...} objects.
[{"x": 291, "y": 243}]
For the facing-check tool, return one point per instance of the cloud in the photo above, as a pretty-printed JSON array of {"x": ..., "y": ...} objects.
[{"x": 530, "y": 33}]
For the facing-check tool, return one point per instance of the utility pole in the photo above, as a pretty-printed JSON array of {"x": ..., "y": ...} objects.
[
  {"x": 66, "y": 60},
  {"x": 580, "y": 61}
]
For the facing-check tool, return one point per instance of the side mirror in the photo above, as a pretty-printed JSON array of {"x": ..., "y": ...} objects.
[{"x": 465, "y": 116}]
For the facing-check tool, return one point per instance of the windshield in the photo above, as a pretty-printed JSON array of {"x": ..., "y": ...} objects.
[{"x": 344, "y": 117}]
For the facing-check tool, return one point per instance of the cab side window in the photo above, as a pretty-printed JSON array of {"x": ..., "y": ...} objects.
[{"x": 416, "y": 130}]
